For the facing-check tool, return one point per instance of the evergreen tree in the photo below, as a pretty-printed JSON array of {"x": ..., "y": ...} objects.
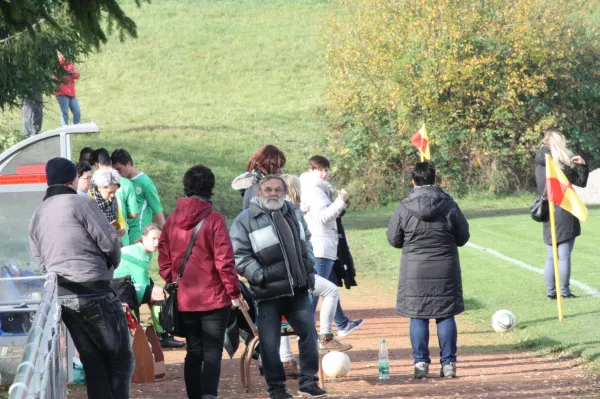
[{"x": 31, "y": 31}]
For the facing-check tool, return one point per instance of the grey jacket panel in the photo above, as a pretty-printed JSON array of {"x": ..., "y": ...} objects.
[
  {"x": 70, "y": 236},
  {"x": 259, "y": 255}
]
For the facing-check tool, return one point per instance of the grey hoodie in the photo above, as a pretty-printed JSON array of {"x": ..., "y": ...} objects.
[{"x": 70, "y": 236}]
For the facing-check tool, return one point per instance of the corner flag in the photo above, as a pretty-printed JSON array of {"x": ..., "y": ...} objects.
[
  {"x": 561, "y": 192},
  {"x": 421, "y": 141}
]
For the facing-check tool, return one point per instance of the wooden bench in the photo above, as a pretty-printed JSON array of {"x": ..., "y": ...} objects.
[{"x": 149, "y": 357}]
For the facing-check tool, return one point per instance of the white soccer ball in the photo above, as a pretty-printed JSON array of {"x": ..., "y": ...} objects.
[
  {"x": 504, "y": 320},
  {"x": 336, "y": 364}
]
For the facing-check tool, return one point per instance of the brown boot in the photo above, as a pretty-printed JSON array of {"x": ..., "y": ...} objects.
[
  {"x": 327, "y": 343},
  {"x": 291, "y": 369}
]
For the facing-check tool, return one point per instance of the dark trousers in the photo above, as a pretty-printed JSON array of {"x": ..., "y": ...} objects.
[
  {"x": 205, "y": 335},
  {"x": 32, "y": 112},
  {"x": 298, "y": 312},
  {"x": 99, "y": 330}
]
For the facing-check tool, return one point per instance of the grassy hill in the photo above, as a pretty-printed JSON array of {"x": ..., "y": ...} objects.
[{"x": 207, "y": 82}]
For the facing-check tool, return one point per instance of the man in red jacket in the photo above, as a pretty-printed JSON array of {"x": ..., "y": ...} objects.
[
  {"x": 208, "y": 286},
  {"x": 65, "y": 94}
]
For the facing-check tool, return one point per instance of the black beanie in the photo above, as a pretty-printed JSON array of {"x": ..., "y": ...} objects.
[{"x": 60, "y": 171}]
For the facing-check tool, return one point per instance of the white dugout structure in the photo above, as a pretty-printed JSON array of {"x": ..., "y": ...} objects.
[{"x": 46, "y": 364}]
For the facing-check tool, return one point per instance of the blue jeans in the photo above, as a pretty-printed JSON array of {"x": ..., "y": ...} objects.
[
  {"x": 204, "y": 334},
  {"x": 447, "y": 337},
  {"x": 324, "y": 268},
  {"x": 564, "y": 267},
  {"x": 101, "y": 336},
  {"x": 298, "y": 313},
  {"x": 66, "y": 103}
]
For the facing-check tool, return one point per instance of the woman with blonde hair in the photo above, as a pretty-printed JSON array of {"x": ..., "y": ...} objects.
[
  {"x": 567, "y": 225},
  {"x": 323, "y": 287}
]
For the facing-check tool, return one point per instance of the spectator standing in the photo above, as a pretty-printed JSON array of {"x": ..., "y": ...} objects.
[
  {"x": 209, "y": 286},
  {"x": 272, "y": 249},
  {"x": 267, "y": 160},
  {"x": 321, "y": 211},
  {"x": 567, "y": 226},
  {"x": 32, "y": 113},
  {"x": 65, "y": 94},
  {"x": 85, "y": 154},
  {"x": 429, "y": 227},
  {"x": 125, "y": 195},
  {"x": 84, "y": 178},
  {"x": 147, "y": 198},
  {"x": 71, "y": 237},
  {"x": 105, "y": 184}
]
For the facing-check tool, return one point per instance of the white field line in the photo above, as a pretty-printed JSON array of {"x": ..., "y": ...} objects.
[{"x": 586, "y": 288}]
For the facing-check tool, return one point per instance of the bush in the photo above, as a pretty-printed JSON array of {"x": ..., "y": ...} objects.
[{"x": 487, "y": 77}]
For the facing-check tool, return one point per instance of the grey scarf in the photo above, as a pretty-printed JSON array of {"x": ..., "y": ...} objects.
[{"x": 290, "y": 240}]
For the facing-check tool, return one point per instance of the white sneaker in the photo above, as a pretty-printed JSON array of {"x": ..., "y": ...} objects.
[{"x": 352, "y": 325}]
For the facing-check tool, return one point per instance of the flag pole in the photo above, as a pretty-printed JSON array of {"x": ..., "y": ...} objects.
[
  {"x": 422, "y": 156},
  {"x": 555, "y": 253}
]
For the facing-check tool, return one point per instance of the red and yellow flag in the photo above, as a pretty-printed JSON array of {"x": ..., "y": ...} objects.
[
  {"x": 421, "y": 141},
  {"x": 561, "y": 192}
]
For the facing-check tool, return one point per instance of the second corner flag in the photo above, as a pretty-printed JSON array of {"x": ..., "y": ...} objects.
[
  {"x": 421, "y": 141},
  {"x": 561, "y": 192}
]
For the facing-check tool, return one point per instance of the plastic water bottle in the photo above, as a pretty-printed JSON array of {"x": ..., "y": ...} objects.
[{"x": 384, "y": 362}]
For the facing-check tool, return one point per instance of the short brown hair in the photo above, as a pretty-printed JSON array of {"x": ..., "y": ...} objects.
[
  {"x": 268, "y": 160},
  {"x": 318, "y": 162}
]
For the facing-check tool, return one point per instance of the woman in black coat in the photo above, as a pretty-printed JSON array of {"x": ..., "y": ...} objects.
[
  {"x": 429, "y": 227},
  {"x": 567, "y": 225}
]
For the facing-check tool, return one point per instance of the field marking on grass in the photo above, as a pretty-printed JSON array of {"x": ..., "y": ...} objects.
[{"x": 589, "y": 290}]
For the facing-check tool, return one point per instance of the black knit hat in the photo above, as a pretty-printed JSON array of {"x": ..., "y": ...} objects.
[{"x": 60, "y": 171}]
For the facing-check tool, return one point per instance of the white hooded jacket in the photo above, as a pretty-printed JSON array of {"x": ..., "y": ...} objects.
[{"x": 321, "y": 211}]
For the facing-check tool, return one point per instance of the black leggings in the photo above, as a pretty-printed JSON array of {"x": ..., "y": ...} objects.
[{"x": 205, "y": 334}]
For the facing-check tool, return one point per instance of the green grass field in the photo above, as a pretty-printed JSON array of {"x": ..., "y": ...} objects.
[
  {"x": 210, "y": 82},
  {"x": 207, "y": 82},
  {"x": 491, "y": 284}
]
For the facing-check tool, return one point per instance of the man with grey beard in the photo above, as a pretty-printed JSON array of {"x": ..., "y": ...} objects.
[{"x": 272, "y": 251}]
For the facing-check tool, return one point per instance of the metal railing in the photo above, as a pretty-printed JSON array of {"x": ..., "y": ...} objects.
[{"x": 40, "y": 373}]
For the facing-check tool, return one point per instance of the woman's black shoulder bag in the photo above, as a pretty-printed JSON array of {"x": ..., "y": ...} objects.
[
  {"x": 170, "y": 319},
  {"x": 539, "y": 209}
]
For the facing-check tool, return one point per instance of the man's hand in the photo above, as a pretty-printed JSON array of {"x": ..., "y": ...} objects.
[
  {"x": 343, "y": 195},
  {"x": 235, "y": 303},
  {"x": 578, "y": 160},
  {"x": 120, "y": 232}
]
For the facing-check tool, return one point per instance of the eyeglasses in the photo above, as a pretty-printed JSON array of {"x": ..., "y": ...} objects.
[{"x": 269, "y": 190}]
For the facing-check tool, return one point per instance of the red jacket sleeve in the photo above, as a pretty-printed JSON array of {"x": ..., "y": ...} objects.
[
  {"x": 164, "y": 254},
  {"x": 224, "y": 261},
  {"x": 72, "y": 71}
]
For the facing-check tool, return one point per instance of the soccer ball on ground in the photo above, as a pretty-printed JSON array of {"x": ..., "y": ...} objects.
[
  {"x": 336, "y": 364},
  {"x": 504, "y": 320}
]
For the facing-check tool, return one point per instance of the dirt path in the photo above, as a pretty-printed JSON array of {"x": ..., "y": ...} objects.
[{"x": 483, "y": 372}]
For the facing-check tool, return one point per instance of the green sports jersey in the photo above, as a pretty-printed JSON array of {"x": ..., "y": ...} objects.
[
  {"x": 128, "y": 202},
  {"x": 148, "y": 204},
  {"x": 135, "y": 262}
]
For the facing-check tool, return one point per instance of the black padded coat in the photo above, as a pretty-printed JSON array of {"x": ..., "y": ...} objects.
[{"x": 429, "y": 227}]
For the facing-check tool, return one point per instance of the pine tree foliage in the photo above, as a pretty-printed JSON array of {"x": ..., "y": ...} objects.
[{"x": 31, "y": 31}]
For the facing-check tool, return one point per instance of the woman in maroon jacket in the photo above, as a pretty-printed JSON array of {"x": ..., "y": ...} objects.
[{"x": 209, "y": 286}]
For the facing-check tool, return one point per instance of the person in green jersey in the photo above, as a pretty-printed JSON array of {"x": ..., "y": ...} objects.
[
  {"x": 148, "y": 200},
  {"x": 100, "y": 159},
  {"x": 135, "y": 262}
]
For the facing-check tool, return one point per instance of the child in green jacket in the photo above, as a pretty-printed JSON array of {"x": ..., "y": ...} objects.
[{"x": 135, "y": 262}]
